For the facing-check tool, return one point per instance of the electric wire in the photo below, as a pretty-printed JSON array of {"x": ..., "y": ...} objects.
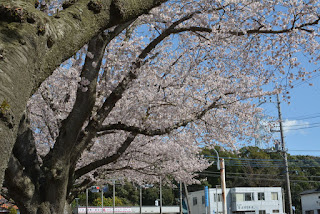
[
  {"x": 265, "y": 179},
  {"x": 276, "y": 163},
  {"x": 243, "y": 173},
  {"x": 303, "y": 117}
]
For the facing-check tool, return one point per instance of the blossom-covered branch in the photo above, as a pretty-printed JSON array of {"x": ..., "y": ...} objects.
[{"x": 106, "y": 160}]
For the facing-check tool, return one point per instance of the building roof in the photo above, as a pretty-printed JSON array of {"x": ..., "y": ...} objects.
[{"x": 311, "y": 191}]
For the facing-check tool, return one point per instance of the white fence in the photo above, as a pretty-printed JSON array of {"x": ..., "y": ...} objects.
[{"x": 145, "y": 210}]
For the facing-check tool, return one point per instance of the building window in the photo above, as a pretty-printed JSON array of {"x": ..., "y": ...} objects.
[
  {"x": 195, "y": 201},
  {"x": 274, "y": 196},
  {"x": 203, "y": 199},
  {"x": 275, "y": 211},
  {"x": 237, "y": 197},
  {"x": 219, "y": 197},
  {"x": 261, "y": 196},
  {"x": 309, "y": 212},
  {"x": 262, "y": 212},
  {"x": 248, "y": 196}
]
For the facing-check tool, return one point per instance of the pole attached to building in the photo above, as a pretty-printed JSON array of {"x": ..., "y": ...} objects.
[
  {"x": 223, "y": 186},
  {"x": 289, "y": 200}
]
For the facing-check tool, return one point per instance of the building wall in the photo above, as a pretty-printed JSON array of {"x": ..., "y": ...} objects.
[
  {"x": 238, "y": 201},
  {"x": 310, "y": 202},
  {"x": 267, "y": 200},
  {"x": 199, "y": 206}
]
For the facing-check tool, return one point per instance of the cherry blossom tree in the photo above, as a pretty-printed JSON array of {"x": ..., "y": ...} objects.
[
  {"x": 141, "y": 98},
  {"x": 33, "y": 44}
]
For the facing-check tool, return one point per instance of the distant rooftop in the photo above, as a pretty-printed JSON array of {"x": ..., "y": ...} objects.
[{"x": 311, "y": 191}]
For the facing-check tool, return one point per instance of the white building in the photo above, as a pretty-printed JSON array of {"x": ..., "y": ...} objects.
[
  {"x": 240, "y": 200},
  {"x": 310, "y": 201}
]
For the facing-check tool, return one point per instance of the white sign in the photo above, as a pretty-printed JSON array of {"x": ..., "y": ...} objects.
[
  {"x": 105, "y": 210},
  {"x": 241, "y": 207}
]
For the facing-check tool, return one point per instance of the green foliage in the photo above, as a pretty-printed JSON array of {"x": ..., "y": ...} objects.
[
  {"x": 12, "y": 210},
  {"x": 302, "y": 170},
  {"x": 150, "y": 195},
  {"x": 168, "y": 197},
  {"x": 4, "y": 107},
  {"x": 130, "y": 192},
  {"x": 126, "y": 191},
  {"x": 109, "y": 201},
  {"x": 82, "y": 199}
]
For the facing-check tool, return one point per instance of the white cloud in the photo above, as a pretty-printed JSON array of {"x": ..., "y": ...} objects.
[{"x": 294, "y": 126}]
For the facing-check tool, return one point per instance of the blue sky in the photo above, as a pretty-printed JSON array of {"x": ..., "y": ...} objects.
[{"x": 301, "y": 118}]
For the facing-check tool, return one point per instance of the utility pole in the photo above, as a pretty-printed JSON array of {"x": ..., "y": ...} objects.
[
  {"x": 223, "y": 186},
  {"x": 285, "y": 156}
]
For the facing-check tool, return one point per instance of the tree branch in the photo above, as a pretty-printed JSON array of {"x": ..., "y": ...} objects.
[
  {"x": 93, "y": 126},
  {"x": 259, "y": 31},
  {"x": 154, "y": 132},
  {"x": 85, "y": 99},
  {"x": 84, "y": 103},
  {"x": 104, "y": 161}
]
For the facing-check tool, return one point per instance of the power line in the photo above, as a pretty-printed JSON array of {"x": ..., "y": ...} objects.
[
  {"x": 300, "y": 150},
  {"x": 266, "y": 160},
  {"x": 300, "y": 125},
  {"x": 275, "y": 163},
  {"x": 243, "y": 173},
  {"x": 303, "y": 117},
  {"x": 309, "y": 127},
  {"x": 265, "y": 179}
]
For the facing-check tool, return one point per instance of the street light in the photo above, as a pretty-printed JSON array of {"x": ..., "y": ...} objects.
[
  {"x": 218, "y": 159},
  {"x": 221, "y": 167}
]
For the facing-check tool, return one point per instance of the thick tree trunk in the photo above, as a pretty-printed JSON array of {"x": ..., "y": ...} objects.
[
  {"x": 33, "y": 44},
  {"x": 45, "y": 194}
]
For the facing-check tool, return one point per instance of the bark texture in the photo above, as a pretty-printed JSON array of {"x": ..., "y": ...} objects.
[{"x": 33, "y": 44}]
